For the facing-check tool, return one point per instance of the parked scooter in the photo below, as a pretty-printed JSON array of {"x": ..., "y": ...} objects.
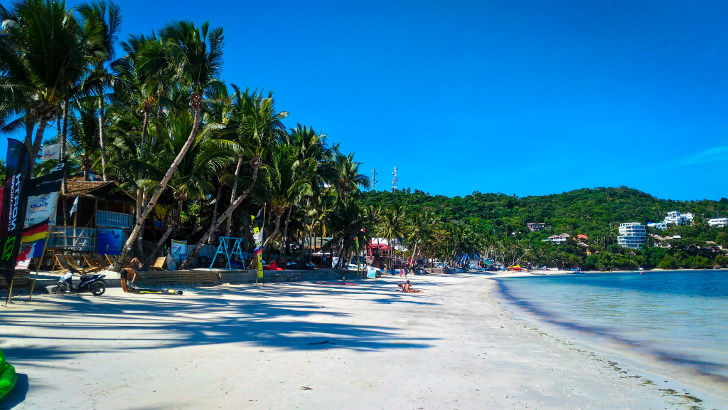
[{"x": 89, "y": 283}]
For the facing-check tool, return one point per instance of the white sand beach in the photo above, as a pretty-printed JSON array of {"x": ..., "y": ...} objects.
[{"x": 304, "y": 345}]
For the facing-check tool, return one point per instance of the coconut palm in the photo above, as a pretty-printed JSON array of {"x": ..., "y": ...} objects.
[
  {"x": 191, "y": 181},
  {"x": 347, "y": 223},
  {"x": 43, "y": 50},
  {"x": 256, "y": 127},
  {"x": 313, "y": 156},
  {"x": 285, "y": 188},
  {"x": 196, "y": 57},
  {"x": 420, "y": 230},
  {"x": 255, "y": 123},
  {"x": 102, "y": 22},
  {"x": 393, "y": 226},
  {"x": 346, "y": 176}
]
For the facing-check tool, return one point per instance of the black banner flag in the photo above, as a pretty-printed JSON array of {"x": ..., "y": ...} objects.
[{"x": 13, "y": 198}]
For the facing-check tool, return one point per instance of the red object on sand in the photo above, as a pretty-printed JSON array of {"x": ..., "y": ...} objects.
[{"x": 272, "y": 266}]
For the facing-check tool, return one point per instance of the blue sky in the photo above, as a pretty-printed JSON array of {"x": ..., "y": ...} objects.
[{"x": 518, "y": 97}]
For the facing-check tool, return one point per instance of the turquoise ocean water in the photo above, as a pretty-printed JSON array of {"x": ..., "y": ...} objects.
[{"x": 675, "y": 323}]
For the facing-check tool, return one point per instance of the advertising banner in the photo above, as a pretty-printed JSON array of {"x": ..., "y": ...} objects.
[
  {"x": 179, "y": 251},
  {"x": 110, "y": 241},
  {"x": 39, "y": 214},
  {"x": 50, "y": 152},
  {"x": 12, "y": 206}
]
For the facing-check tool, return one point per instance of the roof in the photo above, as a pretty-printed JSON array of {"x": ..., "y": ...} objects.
[{"x": 107, "y": 191}]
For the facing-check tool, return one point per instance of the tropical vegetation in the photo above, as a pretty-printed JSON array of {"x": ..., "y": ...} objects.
[{"x": 151, "y": 113}]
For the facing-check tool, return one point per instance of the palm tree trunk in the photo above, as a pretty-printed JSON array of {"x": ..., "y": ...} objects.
[
  {"x": 157, "y": 193},
  {"x": 269, "y": 239},
  {"x": 285, "y": 234},
  {"x": 171, "y": 227},
  {"x": 305, "y": 231},
  {"x": 140, "y": 193},
  {"x": 102, "y": 140},
  {"x": 414, "y": 252},
  {"x": 255, "y": 165},
  {"x": 232, "y": 195},
  {"x": 214, "y": 209}
]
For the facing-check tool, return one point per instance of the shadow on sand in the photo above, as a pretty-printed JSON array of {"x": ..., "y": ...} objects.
[{"x": 277, "y": 315}]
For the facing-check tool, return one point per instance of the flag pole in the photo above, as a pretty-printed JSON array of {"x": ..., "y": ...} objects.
[{"x": 10, "y": 291}]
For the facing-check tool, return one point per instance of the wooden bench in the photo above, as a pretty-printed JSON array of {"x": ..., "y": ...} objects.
[
  {"x": 21, "y": 280},
  {"x": 177, "y": 277}
]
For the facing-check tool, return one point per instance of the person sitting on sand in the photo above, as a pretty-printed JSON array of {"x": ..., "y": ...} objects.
[{"x": 407, "y": 287}]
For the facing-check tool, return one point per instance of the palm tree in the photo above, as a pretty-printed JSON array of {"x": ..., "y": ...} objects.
[
  {"x": 103, "y": 21},
  {"x": 393, "y": 226},
  {"x": 197, "y": 60},
  {"x": 255, "y": 126},
  {"x": 84, "y": 133},
  {"x": 420, "y": 226},
  {"x": 347, "y": 223},
  {"x": 43, "y": 50},
  {"x": 285, "y": 188},
  {"x": 191, "y": 180},
  {"x": 255, "y": 120},
  {"x": 313, "y": 155},
  {"x": 347, "y": 178}
]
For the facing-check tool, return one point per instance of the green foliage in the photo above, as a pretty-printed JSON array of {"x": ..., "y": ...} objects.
[{"x": 596, "y": 213}]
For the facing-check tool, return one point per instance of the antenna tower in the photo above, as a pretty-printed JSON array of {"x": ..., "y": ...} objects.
[
  {"x": 374, "y": 179},
  {"x": 394, "y": 179}
]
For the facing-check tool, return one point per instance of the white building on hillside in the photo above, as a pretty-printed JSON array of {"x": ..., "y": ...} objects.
[
  {"x": 631, "y": 235},
  {"x": 718, "y": 222},
  {"x": 657, "y": 225},
  {"x": 558, "y": 238},
  {"x": 675, "y": 218}
]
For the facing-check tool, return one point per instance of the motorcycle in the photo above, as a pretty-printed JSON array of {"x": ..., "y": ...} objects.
[{"x": 89, "y": 283}]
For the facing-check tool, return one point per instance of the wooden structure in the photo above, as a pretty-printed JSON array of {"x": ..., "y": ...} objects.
[{"x": 100, "y": 205}]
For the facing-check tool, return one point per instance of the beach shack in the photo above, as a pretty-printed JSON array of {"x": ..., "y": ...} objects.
[{"x": 91, "y": 217}]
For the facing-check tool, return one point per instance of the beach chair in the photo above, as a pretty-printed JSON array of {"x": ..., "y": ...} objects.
[
  {"x": 84, "y": 271},
  {"x": 95, "y": 261},
  {"x": 61, "y": 263},
  {"x": 159, "y": 263},
  {"x": 101, "y": 261},
  {"x": 111, "y": 258}
]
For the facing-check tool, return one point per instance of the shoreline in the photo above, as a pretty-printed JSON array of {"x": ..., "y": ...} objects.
[
  {"x": 303, "y": 344},
  {"x": 627, "y": 359}
]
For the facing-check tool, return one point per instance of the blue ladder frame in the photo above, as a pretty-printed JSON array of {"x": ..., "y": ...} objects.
[{"x": 229, "y": 251}]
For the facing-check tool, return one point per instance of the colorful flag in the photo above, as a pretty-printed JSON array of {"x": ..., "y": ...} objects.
[
  {"x": 12, "y": 206},
  {"x": 50, "y": 152},
  {"x": 257, "y": 222},
  {"x": 74, "y": 207},
  {"x": 40, "y": 210}
]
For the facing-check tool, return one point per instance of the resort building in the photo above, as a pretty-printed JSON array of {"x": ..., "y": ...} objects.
[
  {"x": 631, "y": 235},
  {"x": 718, "y": 222},
  {"x": 558, "y": 238},
  {"x": 535, "y": 226},
  {"x": 657, "y": 225},
  {"x": 675, "y": 218}
]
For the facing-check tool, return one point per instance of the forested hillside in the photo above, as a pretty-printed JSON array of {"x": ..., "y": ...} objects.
[{"x": 501, "y": 220}]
